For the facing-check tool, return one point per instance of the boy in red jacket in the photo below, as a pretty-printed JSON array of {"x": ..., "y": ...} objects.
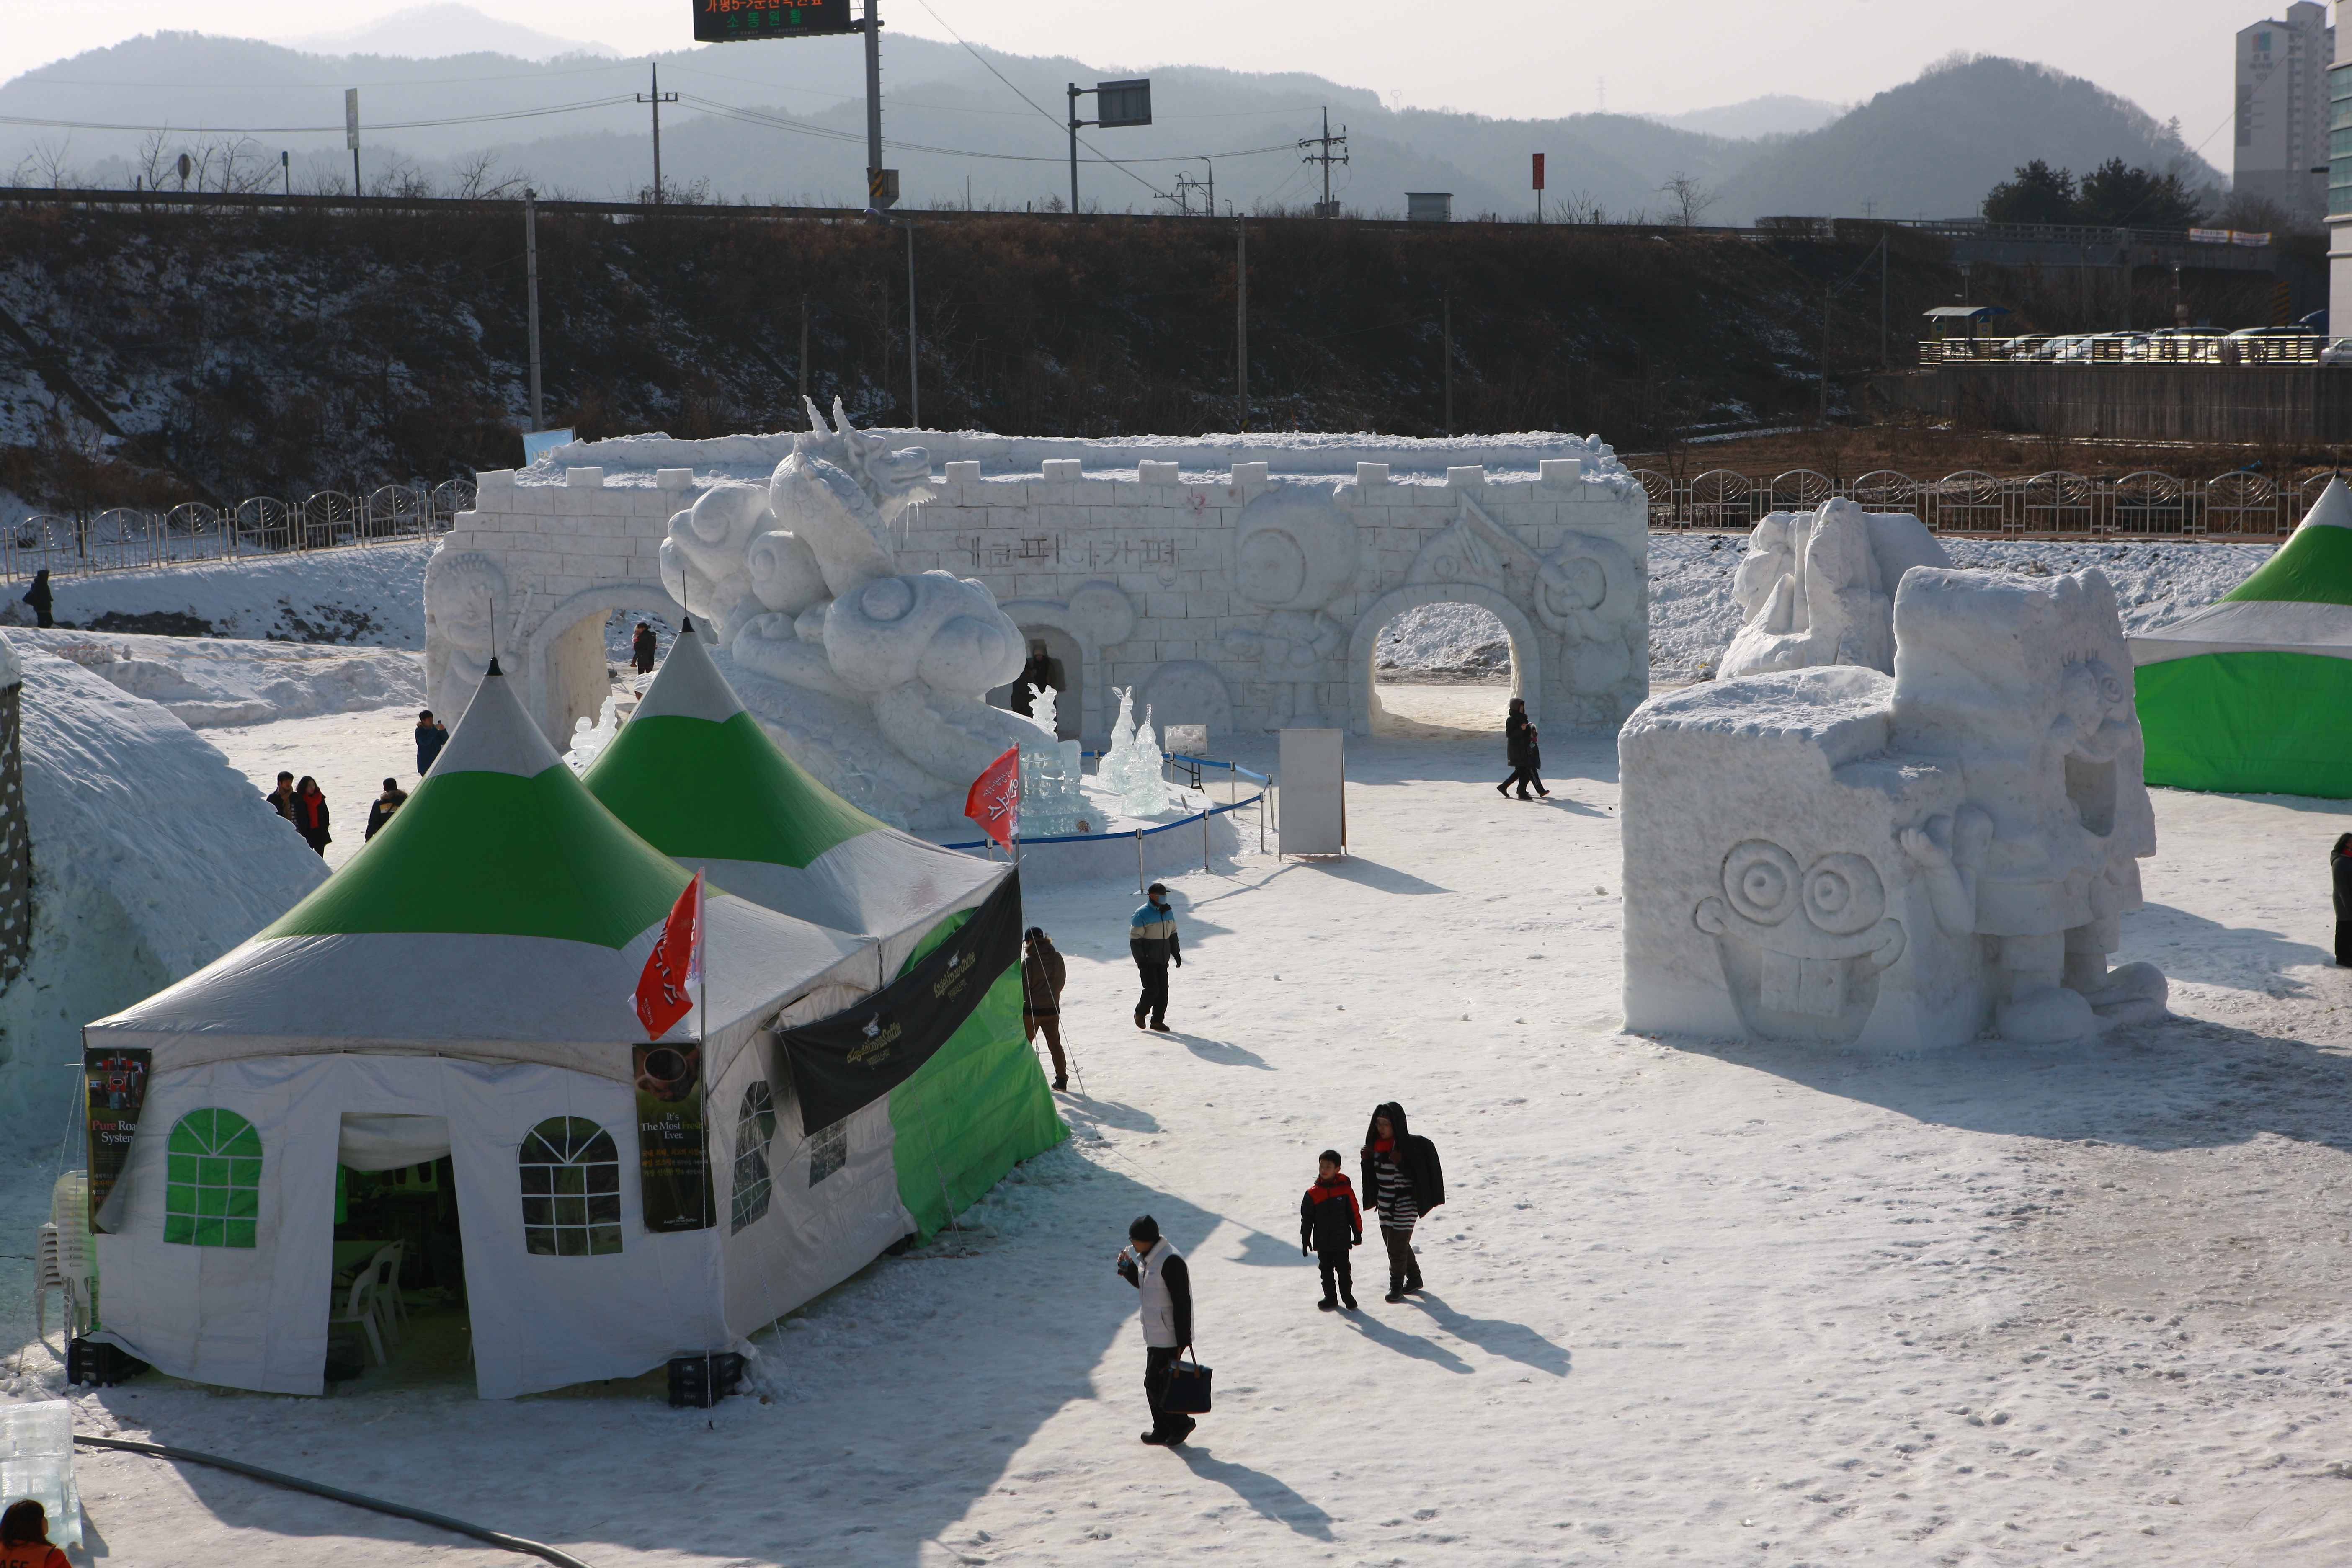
[{"x": 1328, "y": 1224}]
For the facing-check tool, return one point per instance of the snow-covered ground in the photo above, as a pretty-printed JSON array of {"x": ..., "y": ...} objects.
[
  {"x": 373, "y": 597},
  {"x": 208, "y": 682},
  {"x": 1451, "y": 638},
  {"x": 1701, "y": 1301}
]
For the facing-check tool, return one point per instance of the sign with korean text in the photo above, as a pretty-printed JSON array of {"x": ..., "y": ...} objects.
[{"x": 738, "y": 21}]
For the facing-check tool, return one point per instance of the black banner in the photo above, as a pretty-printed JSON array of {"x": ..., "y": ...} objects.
[
  {"x": 673, "y": 1145},
  {"x": 863, "y": 1052},
  {"x": 118, "y": 1088}
]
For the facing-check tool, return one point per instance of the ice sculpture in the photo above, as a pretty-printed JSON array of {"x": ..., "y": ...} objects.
[
  {"x": 1818, "y": 588},
  {"x": 799, "y": 582},
  {"x": 1838, "y": 857},
  {"x": 1052, "y": 798},
  {"x": 1146, "y": 791},
  {"x": 1111, "y": 771}
]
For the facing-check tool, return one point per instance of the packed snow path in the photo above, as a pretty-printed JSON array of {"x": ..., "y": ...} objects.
[{"x": 1730, "y": 1304}]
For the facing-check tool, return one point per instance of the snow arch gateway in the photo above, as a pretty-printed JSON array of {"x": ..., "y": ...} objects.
[{"x": 1363, "y": 647}]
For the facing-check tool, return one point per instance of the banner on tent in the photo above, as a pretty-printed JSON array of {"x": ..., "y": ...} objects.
[
  {"x": 118, "y": 1088},
  {"x": 673, "y": 1142},
  {"x": 860, "y": 1054}
]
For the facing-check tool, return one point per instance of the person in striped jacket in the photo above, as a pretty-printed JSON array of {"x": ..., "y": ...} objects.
[
  {"x": 1151, "y": 939},
  {"x": 1401, "y": 1173}
]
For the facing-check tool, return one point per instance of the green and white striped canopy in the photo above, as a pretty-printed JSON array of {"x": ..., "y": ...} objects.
[
  {"x": 694, "y": 775},
  {"x": 502, "y": 914},
  {"x": 2248, "y": 694}
]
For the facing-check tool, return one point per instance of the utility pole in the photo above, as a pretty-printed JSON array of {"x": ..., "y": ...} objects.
[
  {"x": 881, "y": 185},
  {"x": 1322, "y": 154},
  {"x": 803, "y": 348},
  {"x": 286, "y": 167},
  {"x": 1241, "y": 323},
  {"x": 1883, "y": 362},
  {"x": 351, "y": 133},
  {"x": 1825, "y": 355},
  {"x": 530, "y": 284},
  {"x": 1446, "y": 342},
  {"x": 914, "y": 381},
  {"x": 657, "y": 98}
]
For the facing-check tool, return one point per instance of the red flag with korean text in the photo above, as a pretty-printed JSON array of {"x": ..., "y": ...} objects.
[
  {"x": 994, "y": 798},
  {"x": 666, "y": 989}
]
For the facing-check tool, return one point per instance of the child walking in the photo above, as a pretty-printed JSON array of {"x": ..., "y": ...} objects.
[{"x": 1328, "y": 1224}]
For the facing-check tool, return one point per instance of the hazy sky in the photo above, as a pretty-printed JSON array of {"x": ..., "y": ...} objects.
[{"x": 1508, "y": 58}]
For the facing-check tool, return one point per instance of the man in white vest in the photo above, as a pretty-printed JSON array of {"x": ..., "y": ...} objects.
[{"x": 1157, "y": 1271}]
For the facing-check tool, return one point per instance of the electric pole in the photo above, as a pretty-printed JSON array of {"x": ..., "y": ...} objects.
[
  {"x": 914, "y": 381},
  {"x": 1241, "y": 321},
  {"x": 1323, "y": 154},
  {"x": 657, "y": 98},
  {"x": 531, "y": 285},
  {"x": 881, "y": 183},
  {"x": 1446, "y": 340},
  {"x": 351, "y": 134}
]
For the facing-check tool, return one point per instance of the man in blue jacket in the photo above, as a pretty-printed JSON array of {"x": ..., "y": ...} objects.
[{"x": 1151, "y": 938}]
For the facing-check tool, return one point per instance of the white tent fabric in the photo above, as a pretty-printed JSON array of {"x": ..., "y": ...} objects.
[
  {"x": 2250, "y": 625},
  {"x": 391, "y": 1140}
]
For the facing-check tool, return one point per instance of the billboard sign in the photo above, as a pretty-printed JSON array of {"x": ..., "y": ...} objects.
[{"x": 738, "y": 21}]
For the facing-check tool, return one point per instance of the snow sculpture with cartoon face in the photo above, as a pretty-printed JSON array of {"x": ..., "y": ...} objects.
[
  {"x": 800, "y": 583},
  {"x": 1829, "y": 856}
]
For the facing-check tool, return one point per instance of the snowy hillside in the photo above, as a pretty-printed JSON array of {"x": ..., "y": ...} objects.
[
  {"x": 373, "y": 597},
  {"x": 152, "y": 856}
]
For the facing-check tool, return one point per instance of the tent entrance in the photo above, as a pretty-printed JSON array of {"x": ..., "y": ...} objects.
[{"x": 396, "y": 1228}]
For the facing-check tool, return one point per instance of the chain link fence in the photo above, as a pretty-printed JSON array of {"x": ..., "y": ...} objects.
[
  {"x": 124, "y": 538},
  {"x": 2054, "y": 505}
]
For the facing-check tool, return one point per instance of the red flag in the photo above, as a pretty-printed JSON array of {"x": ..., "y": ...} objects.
[
  {"x": 994, "y": 799},
  {"x": 666, "y": 989}
]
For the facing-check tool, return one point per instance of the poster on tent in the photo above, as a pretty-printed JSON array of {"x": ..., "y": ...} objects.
[
  {"x": 863, "y": 1052},
  {"x": 673, "y": 1143},
  {"x": 118, "y": 1088}
]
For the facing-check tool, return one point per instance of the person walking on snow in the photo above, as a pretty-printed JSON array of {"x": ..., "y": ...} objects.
[
  {"x": 1329, "y": 1223},
  {"x": 642, "y": 649},
  {"x": 1520, "y": 751},
  {"x": 281, "y": 799},
  {"x": 2340, "y": 871},
  {"x": 1401, "y": 1173},
  {"x": 1157, "y": 1271},
  {"x": 1042, "y": 975},
  {"x": 39, "y": 596},
  {"x": 431, "y": 736},
  {"x": 1151, "y": 938},
  {"x": 310, "y": 815},
  {"x": 381, "y": 808}
]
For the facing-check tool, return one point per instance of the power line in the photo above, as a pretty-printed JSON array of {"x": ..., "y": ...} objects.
[
  {"x": 308, "y": 129},
  {"x": 824, "y": 132}
]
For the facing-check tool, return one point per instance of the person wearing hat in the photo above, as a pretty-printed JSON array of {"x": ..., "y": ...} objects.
[
  {"x": 1153, "y": 1266},
  {"x": 1151, "y": 939},
  {"x": 1042, "y": 975}
]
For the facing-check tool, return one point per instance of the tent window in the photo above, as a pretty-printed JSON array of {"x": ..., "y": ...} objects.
[
  {"x": 755, "y": 1129},
  {"x": 212, "y": 1194},
  {"x": 570, "y": 1189},
  {"x": 829, "y": 1152}
]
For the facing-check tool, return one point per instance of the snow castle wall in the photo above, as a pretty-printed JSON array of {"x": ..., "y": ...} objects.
[{"x": 1233, "y": 598}]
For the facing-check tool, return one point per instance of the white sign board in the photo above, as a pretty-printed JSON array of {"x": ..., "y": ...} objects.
[
  {"x": 1185, "y": 739},
  {"x": 1314, "y": 798}
]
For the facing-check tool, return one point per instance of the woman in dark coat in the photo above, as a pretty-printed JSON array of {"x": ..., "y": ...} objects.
[
  {"x": 39, "y": 596},
  {"x": 1519, "y": 749},
  {"x": 311, "y": 815},
  {"x": 642, "y": 649},
  {"x": 1402, "y": 1177},
  {"x": 2339, "y": 869}
]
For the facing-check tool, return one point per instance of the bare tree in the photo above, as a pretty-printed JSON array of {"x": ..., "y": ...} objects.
[
  {"x": 476, "y": 177},
  {"x": 1686, "y": 199},
  {"x": 152, "y": 159},
  {"x": 46, "y": 166}
]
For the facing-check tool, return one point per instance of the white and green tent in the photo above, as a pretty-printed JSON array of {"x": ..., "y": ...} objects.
[
  {"x": 693, "y": 774},
  {"x": 2248, "y": 694},
  {"x": 463, "y": 987}
]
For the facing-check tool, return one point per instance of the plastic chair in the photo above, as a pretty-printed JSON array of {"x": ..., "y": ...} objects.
[
  {"x": 360, "y": 1307},
  {"x": 46, "y": 1278},
  {"x": 391, "y": 1306}
]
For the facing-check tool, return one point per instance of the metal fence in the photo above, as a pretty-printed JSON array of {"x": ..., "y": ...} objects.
[
  {"x": 124, "y": 539},
  {"x": 2048, "y": 505},
  {"x": 2213, "y": 349}
]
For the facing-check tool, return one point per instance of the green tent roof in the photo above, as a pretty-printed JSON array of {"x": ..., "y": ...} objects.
[
  {"x": 696, "y": 776},
  {"x": 2314, "y": 565},
  {"x": 499, "y": 839}
]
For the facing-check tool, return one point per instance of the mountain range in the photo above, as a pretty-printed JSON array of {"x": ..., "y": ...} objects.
[
  {"x": 439, "y": 32},
  {"x": 783, "y": 121}
]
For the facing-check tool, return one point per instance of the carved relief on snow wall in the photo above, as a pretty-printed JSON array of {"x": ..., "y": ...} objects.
[{"x": 875, "y": 610}]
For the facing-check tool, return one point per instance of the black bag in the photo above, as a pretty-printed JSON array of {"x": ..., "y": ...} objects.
[{"x": 1188, "y": 1388}]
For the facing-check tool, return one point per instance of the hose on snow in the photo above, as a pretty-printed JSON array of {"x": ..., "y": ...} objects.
[{"x": 318, "y": 1489}]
